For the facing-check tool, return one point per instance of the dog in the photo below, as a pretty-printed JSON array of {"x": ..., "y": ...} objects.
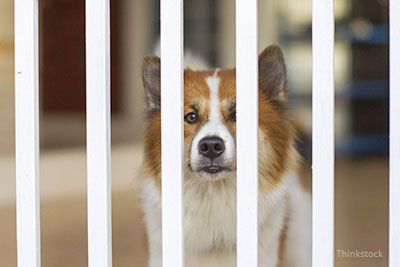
[{"x": 210, "y": 169}]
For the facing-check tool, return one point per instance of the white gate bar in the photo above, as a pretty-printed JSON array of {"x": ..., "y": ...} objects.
[
  {"x": 98, "y": 132},
  {"x": 394, "y": 184},
  {"x": 247, "y": 132},
  {"x": 172, "y": 144},
  {"x": 323, "y": 154},
  {"x": 27, "y": 132}
]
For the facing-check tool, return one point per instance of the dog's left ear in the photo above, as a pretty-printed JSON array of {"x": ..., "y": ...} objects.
[
  {"x": 272, "y": 73},
  {"x": 151, "y": 80}
]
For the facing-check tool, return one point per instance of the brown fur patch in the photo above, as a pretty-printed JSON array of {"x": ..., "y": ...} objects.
[
  {"x": 276, "y": 124},
  {"x": 227, "y": 97}
]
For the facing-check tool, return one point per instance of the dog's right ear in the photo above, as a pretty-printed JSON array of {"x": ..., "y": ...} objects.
[{"x": 151, "y": 80}]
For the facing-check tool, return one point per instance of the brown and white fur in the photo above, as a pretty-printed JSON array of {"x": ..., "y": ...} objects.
[{"x": 210, "y": 179}]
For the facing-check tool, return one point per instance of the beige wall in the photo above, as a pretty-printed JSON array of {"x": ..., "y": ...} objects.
[{"x": 6, "y": 77}]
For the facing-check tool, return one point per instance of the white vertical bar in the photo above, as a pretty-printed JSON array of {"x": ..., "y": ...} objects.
[
  {"x": 394, "y": 184},
  {"x": 27, "y": 132},
  {"x": 98, "y": 132},
  {"x": 323, "y": 133},
  {"x": 172, "y": 132},
  {"x": 247, "y": 132}
]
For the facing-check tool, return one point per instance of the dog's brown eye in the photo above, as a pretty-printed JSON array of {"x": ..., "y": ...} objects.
[
  {"x": 192, "y": 117},
  {"x": 232, "y": 117}
]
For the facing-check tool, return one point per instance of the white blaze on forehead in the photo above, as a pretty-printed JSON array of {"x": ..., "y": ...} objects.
[
  {"x": 213, "y": 85},
  {"x": 214, "y": 126}
]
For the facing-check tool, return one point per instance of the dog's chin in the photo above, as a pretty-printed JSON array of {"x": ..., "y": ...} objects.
[{"x": 214, "y": 173}]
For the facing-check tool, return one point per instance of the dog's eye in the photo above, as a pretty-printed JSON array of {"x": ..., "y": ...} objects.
[
  {"x": 192, "y": 117},
  {"x": 232, "y": 116}
]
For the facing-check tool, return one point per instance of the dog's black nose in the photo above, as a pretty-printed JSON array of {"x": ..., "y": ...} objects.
[{"x": 211, "y": 147}]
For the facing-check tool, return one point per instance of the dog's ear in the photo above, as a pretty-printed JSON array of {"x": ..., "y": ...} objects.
[
  {"x": 272, "y": 73},
  {"x": 151, "y": 80}
]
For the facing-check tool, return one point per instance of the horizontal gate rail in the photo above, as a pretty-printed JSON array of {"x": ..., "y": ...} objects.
[
  {"x": 27, "y": 132},
  {"x": 323, "y": 133},
  {"x": 98, "y": 132},
  {"x": 247, "y": 132},
  {"x": 394, "y": 173},
  {"x": 172, "y": 132}
]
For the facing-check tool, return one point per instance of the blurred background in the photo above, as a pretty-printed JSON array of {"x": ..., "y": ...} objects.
[{"x": 361, "y": 77}]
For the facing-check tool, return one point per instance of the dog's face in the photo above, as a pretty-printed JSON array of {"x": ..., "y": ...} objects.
[{"x": 210, "y": 118}]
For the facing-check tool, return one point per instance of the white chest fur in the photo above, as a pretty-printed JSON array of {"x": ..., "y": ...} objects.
[{"x": 210, "y": 222}]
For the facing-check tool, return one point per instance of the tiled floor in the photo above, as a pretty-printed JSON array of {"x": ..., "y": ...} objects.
[{"x": 361, "y": 220}]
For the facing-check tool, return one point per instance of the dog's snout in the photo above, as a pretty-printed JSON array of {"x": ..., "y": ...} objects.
[{"x": 211, "y": 147}]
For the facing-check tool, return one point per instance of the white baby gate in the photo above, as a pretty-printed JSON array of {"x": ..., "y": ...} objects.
[{"x": 98, "y": 132}]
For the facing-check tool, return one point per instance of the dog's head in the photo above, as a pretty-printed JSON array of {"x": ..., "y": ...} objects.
[{"x": 210, "y": 119}]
